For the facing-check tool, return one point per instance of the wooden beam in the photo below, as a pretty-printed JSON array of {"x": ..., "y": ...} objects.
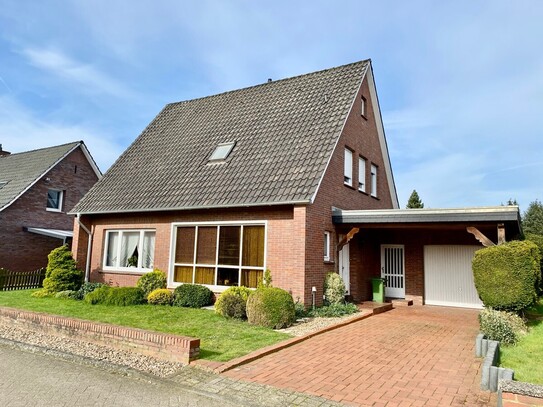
[
  {"x": 501, "y": 233},
  {"x": 347, "y": 238},
  {"x": 480, "y": 236}
]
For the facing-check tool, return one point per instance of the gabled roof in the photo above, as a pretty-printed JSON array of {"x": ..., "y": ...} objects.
[
  {"x": 284, "y": 133},
  {"x": 18, "y": 172}
]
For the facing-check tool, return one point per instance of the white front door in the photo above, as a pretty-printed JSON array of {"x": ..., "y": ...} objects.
[
  {"x": 392, "y": 270},
  {"x": 344, "y": 267}
]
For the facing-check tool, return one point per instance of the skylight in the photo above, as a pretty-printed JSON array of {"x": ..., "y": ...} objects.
[
  {"x": 2, "y": 184},
  {"x": 222, "y": 151}
]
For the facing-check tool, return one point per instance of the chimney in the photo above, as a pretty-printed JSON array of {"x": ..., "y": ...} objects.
[{"x": 2, "y": 152}]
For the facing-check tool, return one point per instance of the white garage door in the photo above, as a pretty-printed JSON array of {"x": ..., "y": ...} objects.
[{"x": 448, "y": 279}]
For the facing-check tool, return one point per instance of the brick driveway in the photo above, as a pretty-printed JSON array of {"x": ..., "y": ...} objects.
[{"x": 410, "y": 356}]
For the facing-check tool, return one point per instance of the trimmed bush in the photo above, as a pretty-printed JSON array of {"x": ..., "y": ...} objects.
[
  {"x": 334, "y": 310},
  {"x": 66, "y": 294},
  {"x": 160, "y": 296},
  {"x": 151, "y": 281},
  {"x": 334, "y": 289},
  {"x": 61, "y": 273},
  {"x": 232, "y": 303},
  {"x": 538, "y": 240},
  {"x": 507, "y": 276},
  {"x": 270, "y": 307},
  {"x": 87, "y": 288},
  {"x": 192, "y": 296},
  {"x": 506, "y": 327},
  {"x": 120, "y": 296}
]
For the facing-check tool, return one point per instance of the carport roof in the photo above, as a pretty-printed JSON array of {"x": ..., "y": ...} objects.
[{"x": 509, "y": 214}]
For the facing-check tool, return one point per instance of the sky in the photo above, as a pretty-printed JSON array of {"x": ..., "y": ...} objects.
[{"x": 460, "y": 83}]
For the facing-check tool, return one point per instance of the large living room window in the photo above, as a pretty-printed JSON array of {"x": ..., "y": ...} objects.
[
  {"x": 224, "y": 254},
  {"x": 129, "y": 250}
]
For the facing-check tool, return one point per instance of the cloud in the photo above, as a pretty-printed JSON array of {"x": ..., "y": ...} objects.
[
  {"x": 20, "y": 131},
  {"x": 85, "y": 76}
]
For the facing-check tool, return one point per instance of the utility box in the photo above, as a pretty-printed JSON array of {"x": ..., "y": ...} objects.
[{"x": 378, "y": 285}]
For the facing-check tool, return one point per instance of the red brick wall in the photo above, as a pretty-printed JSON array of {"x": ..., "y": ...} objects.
[
  {"x": 20, "y": 250},
  {"x": 360, "y": 135},
  {"x": 285, "y": 240},
  {"x": 519, "y": 400}
]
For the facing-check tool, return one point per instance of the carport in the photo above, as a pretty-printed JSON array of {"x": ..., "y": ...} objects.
[{"x": 424, "y": 254}]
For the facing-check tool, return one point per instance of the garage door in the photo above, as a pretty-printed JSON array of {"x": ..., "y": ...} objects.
[{"x": 448, "y": 279}]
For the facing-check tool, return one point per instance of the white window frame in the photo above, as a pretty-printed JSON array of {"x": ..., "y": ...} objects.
[
  {"x": 60, "y": 200},
  {"x": 348, "y": 167},
  {"x": 374, "y": 180},
  {"x": 326, "y": 246},
  {"x": 363, "y": 106},
  {"x": 135, "y": 270},
  {"x": 361, "y": 174},
  {"x": 216, "y": 266},
  {"x": 222, "y": 151}
]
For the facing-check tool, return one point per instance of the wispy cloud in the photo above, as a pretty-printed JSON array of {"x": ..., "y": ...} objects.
[{"x": 85, "y": 76}]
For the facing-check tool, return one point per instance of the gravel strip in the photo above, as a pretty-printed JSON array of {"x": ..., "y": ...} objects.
[
  {"x": 309, "y": 325},
  {"x": 90, "y": 350}
]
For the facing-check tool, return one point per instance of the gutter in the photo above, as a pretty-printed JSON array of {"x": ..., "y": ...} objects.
[{"x": 89, "y": 245}]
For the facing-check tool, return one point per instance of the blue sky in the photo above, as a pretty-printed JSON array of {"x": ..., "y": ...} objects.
[{"x": 460, "y": 83}]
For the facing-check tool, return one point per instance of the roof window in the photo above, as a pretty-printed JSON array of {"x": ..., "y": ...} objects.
[{"x": 222, "y": 151}]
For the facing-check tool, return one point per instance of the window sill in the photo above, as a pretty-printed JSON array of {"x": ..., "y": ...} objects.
[
  {"x": 364, "y": 116},
  {"x": 329, "y": 262},
  {"x": 348, "y": 186},
  {"x": 363, "y": 192},
  {"x": 125, "y": 271},
  {"x": 375, "y": 197},
  {"x": 53, "y": 210}
]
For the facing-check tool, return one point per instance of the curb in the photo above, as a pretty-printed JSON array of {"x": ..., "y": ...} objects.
[{"x": 218, "y": 367}]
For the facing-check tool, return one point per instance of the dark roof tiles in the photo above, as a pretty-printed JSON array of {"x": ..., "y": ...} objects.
[{"x": 285, "y": 132}]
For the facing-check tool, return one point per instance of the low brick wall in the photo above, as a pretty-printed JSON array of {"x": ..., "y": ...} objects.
[
  {"x": 519, "y": 394},
  {"x": 173, "y": 348}
]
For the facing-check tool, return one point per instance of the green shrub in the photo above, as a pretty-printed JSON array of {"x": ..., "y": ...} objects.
[
  {"x": 506, "y": 276},
  {"x": 87, "y": 288},
  {"x": 299, "y": 310},
  {"x": 42, "y": 293},
  {"x": 120, "y": 296},
  {"x": 334, "y": 289},
  {"x": 151, "y": 281},
  {"x": 192, "y": 296},
  {"x": 66, "y": 294},
  {"x": 160, "y": 296},
  {"x": 334, "y": 310},
  {"x": 270, "y": 307},
  {"x": 266, "y": 280},
  {"x": 232, "y": 303},
  {"x": 538, "y": 240},
  {"x": 506, "y": 327},
  {"x": 61, "y": 273}
]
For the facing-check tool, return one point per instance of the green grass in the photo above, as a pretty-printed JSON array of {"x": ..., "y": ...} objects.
[
  {"x": 220, "y": 339},
  {"x": 525, "y": 357}
]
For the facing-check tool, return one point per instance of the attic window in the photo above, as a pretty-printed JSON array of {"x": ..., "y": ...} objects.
[
  {"x": 222, "y": 151},
  {"x": 2, "y": 184}
]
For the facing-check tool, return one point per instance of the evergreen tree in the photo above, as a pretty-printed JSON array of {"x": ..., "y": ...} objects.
[
  {"x": 414, "y": 201},
  {"x": 532, "y": 221}
]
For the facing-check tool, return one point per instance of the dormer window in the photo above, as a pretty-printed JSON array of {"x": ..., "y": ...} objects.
[
  {"x": 222, "y": 151},
  {"x": 54, "y": 200}
]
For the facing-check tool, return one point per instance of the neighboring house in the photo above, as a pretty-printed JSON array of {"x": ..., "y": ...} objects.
[
  {"x": 218, "y": 189},
  {"x": 37, "y": 189}
]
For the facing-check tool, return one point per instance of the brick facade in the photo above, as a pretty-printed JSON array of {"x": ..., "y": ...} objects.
[
  {"x": 294, "y": 252},
  {"x": 21, "y": 250}
]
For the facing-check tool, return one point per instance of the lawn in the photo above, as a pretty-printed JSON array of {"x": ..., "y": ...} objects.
[
  {"x": 526, "y": 356},
  {"x": 220, "y": 339}
]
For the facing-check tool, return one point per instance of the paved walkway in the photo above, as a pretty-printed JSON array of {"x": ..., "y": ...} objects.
[{"x": 410, "y": 356}]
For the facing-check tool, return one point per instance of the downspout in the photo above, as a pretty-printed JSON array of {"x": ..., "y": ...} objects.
[{"x": 89, "y": 245}]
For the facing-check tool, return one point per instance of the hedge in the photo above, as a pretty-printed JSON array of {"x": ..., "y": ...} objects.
[{"x": 507, "y": 276}]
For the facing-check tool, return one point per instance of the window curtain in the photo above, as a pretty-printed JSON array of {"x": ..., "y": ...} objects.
[
  {"x": 148, "y": 250},
  {"x": 253, "y": 246},
  {"x": 129, "y": 248},
  {"x": 251, "y": 278},
  {"x": 183, "y": 274},
  {"x": 184, "y": 246},
  {"x": 113, "y": 245}
]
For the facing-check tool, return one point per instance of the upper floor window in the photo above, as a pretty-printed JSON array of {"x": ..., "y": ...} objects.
[
  {"x": 363, "y": 106},
  {"x": 54, "y": 200},
  {"x": 129, "y": 250},
  {"x": 326, "y": 246},
  {"x": 361, "y": 174},
  {"x": 348, "y": 168},
  {"x": 373, "y": 180}
]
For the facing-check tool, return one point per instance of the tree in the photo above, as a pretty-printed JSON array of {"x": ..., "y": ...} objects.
[
  {"x": 532, "y": 222},
  {"x": 414, "y": 201}
]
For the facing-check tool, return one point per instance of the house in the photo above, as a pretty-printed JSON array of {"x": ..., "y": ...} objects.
[
  {"x": 37, "y": 190},
  {"x": 275, "y": 176}
]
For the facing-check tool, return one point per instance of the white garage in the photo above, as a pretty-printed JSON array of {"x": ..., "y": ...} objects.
[{"x": 448, "y": 278}]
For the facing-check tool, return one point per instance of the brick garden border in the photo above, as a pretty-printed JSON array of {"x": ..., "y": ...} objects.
[{"x": 173, "y": 348}]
